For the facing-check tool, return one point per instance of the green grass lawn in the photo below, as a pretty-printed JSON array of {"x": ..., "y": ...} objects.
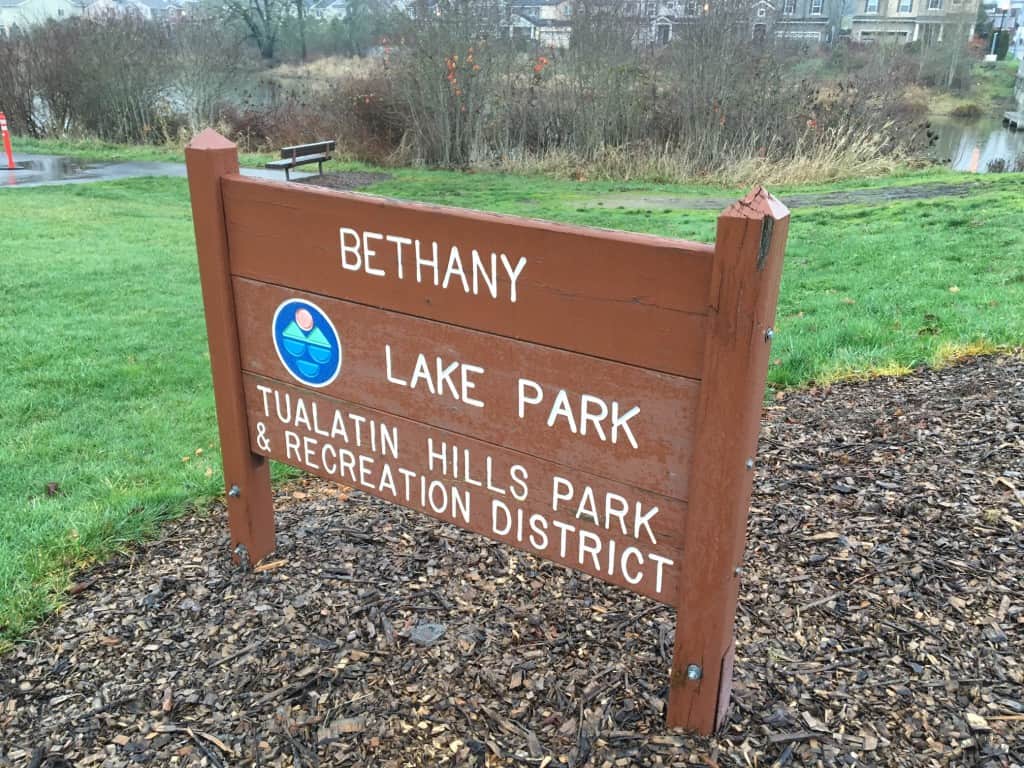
[{"x": 106, "y": 379}]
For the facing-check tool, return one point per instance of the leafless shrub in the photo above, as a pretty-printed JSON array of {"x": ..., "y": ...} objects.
[
  {"x": 446, "y": 77},
  {"x": 714, "y": 102},
  {"x": 102, "y": 76},
  {"x": 18, "y": 84},
  {"x": 207, "y": 61}
]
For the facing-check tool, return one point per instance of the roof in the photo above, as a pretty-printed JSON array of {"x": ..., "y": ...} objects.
[
  {"x": 545, "y": 22},
  {"x": 12, "y": 3}
]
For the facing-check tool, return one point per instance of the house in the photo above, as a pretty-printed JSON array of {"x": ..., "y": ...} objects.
[
  {"x": 669, "y": 15},
  {"x": 547, "y": 23},
  {"x": 808, "y": 20},
  {"x": 824, "y": 21},
  {"x": 24, "y": 13},
  {"x": 329, "y": 9},
  {"x": 906, "y": 21},
  {"x": 148, "y": 9}
]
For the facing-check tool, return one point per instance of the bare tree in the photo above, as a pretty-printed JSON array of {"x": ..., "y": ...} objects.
[
  {"x": 446, "y": 74},
  {"x": 958, "y": 25},
  {"x": 207, "y": 60},
  {"x": 262, "y": 19},
  {"x": 300, "y": 15},
  {"x": 18, "y": 83}
]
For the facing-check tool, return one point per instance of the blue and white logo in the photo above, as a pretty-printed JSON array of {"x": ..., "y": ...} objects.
[{"x": 307, "y": 342}]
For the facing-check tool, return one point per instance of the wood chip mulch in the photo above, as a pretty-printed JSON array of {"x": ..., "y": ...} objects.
[
  {"x": 344, "y": 180},
  {"x": 880, "y": 621}
]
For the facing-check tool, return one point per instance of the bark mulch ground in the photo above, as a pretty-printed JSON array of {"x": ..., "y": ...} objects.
[
  {"x": 344, "y": 180},
  {"x": 880, "y": 621}
]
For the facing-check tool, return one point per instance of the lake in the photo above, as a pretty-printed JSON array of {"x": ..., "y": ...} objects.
[{"x": 970, "y": 145}]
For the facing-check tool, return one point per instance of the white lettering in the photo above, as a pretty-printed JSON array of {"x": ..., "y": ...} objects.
[
  {"x": 350, "y": 250},
  {"x": 369, "y": 253}
]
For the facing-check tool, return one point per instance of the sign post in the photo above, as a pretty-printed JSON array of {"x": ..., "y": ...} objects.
[
  {"x": 246, "y": 474},
  {"x": 591, "y": 397}
]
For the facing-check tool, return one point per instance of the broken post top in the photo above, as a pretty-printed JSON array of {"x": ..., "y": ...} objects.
[{"x": 758, "y": 203}]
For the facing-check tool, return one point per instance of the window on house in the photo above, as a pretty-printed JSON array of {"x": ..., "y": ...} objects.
[
  {"x": 60, "y": 11},
  {"x": 905, "y": 6},
  {"x": 789, "y": 8},
  {"x": 816, "y": 6},
  {"x": 934, "y": 5},
  {"x": 691, "y": 8},
  {"x": 870, "y": 6},
  {"x": 761, "y": 12}
]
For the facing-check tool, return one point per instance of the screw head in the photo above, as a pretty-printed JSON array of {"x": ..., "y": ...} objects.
[
  {"x": 769, "y": 335},
  {"x": 235, "y": 491},
  {"x": 750, "y": 464},
  {"x": 694, "y": 672}
]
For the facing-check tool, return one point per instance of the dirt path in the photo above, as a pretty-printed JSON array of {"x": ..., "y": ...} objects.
[
  {"x": 794, "y": 200},
  {"x": 880, "y": 621}
]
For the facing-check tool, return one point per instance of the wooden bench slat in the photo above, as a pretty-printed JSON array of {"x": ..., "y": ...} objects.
[
  {"x": 315, "y": 147},
  {"x": 291, "y": 162}
]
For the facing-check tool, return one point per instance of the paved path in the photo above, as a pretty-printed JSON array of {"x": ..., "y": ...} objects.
[
  {"x": 52, "y": 169},
  {"x": 795, "y": 200},
  {"x": 44, "y": 170}
]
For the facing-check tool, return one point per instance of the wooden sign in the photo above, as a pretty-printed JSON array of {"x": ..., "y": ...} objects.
[{"x": 591, "y": 397}]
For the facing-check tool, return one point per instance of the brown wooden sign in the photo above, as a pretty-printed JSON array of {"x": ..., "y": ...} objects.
[{"x": 591, "y": 397}]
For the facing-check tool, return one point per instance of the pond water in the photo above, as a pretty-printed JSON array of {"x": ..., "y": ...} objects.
[{"x": 970, "y": 145}]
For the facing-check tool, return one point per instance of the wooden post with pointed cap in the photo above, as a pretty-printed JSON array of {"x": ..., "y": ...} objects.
[
  {"x": 208, "y": 158},
  {"x": 745, "y": 280}
]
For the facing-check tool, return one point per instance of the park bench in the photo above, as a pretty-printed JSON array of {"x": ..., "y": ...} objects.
[{"x": 303, "y": 154}]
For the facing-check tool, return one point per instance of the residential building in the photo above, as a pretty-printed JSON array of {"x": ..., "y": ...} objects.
[
  {"x": 547, "y": 23},
  {"x": 147, "y": 9},
  {"x": 329, "y": 9},
  {"x": 24, "y": 13},
  {"x": 810, "y": 20},
  {"x": 905, "y": 21}
]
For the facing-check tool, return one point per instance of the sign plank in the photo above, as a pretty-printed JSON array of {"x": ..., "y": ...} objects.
[
  {"x": 623, "y": 535},
  {"x": 633, "y": 298},
  {"x": 615, "y": 420}
]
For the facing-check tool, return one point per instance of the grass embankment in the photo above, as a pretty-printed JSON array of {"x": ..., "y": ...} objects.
[
  {"x": 990, "y": 94},
  {"x": 516, "y": 185},
  {"x": 107, "y": 386},
  {"x": 555, "y": 179}
]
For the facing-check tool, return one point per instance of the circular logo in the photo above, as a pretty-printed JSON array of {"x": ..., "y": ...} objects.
[{"x": 307, "y": 342}]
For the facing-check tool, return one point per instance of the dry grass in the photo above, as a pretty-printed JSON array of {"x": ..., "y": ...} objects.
[
  {"x": 834, "y": 156},
  {"x": 951, "y": 353},
  {"x": 326, "y": 72},
  {"x": 889, "y": 369},
  {"x": 840, "y": 154}
]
